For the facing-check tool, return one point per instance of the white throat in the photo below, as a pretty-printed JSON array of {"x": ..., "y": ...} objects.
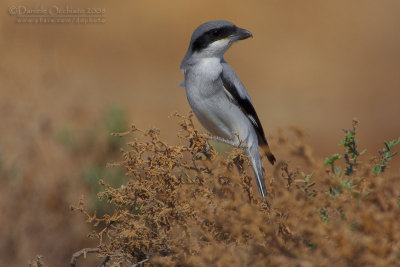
[{"x": 211, "y": 54}]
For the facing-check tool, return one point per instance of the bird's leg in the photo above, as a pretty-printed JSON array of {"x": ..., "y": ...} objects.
[
  {"x": 240, "y": 142},
  {"x": 223, "y": 140},
  {"x": 206, "y": 149},
  {"x": 190, "y": 142}
]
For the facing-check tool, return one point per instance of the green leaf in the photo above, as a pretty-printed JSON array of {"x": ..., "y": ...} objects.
[
  {"x": 324, "y": 215},
  {"x": 365, "y": 193},
  {"x": 310, "y": 185},
  {"x": 348, "y": 184},
  {"x": 387, "y": 146},
  {"x": 310, "y": 244},
  {"x": 331, "y": 160},
  {"x": 338, "y": 170},
  {"x": 376, "y": 169},
  {"x": 334, "y": 191},
  {"x": 396, "y": 142},
  {"x": 352, "y": 227}
]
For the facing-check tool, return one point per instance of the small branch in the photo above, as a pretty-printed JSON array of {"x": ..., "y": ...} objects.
[
  {"x": 81, "y": 252},
  {"x": 106, "y": 259},
  {"x": 142, "y": 262}
]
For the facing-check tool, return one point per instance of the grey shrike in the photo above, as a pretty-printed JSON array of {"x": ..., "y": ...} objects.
[{"x": 217, "y": 96}]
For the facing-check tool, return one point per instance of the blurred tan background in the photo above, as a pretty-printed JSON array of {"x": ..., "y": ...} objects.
[{"x": 315, "y": 64}]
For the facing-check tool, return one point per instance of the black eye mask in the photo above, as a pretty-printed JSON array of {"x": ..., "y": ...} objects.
[{"x": 211, "y": 36}]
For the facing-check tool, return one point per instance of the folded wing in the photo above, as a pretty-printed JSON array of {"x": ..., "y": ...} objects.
[{"x": 238, "y": 94}]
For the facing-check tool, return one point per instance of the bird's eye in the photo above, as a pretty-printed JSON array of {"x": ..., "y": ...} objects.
[{"x": 216, "y": 32}]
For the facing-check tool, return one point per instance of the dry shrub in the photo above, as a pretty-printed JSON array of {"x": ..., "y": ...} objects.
[{"x": 186, "y": 205}]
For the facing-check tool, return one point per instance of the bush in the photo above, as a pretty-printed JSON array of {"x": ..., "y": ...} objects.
[{"x": 186, "y": 205}]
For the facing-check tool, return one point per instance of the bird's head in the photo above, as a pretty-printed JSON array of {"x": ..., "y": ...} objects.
[{"x": 213, "y": 38}]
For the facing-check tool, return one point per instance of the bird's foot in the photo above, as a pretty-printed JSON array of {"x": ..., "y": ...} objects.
[{"x": 223, "y": 140}]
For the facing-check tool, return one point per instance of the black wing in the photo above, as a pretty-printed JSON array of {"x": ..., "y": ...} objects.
[{"x": 238, "y": 94}]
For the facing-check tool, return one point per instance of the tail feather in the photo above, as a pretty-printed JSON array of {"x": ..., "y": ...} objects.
[
  {"x": 269, "y": 154},
  {"x": 260, "y": 182},
  {"x": 258, "y": 171},
  {"x": 256, "y": 163}
]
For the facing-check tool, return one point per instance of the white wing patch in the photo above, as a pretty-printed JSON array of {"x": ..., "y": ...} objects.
[
  {"x": 234, "y": 101},
  {"x": 252, "y": 119},
  {"x": 230, "y": 97}
]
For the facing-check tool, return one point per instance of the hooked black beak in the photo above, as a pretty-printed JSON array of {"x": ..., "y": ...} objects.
[{"x": 241, "y": 34}]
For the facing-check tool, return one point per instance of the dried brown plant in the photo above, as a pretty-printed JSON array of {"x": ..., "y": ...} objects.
[{"x": 185, "y": 205}]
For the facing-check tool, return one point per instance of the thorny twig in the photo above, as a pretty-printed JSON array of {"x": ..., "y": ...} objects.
[
  {"x": 142, "y": 262},
  {"x": 81, "y": 252},
  {"x": 287, "y": 174},
  {"x": 104, "y": 262}
]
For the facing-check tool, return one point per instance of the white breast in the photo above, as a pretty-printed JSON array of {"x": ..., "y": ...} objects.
[
  {"x": 201, "y": 80},
  {"x": 207, "y": 98},
  {"x": 207, "y": 69}
]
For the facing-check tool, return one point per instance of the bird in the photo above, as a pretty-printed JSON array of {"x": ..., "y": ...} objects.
[{"x": 218, "y": 98}]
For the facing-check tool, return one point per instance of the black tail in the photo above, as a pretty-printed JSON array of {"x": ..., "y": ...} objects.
[{"x": 268, "y": 153}]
